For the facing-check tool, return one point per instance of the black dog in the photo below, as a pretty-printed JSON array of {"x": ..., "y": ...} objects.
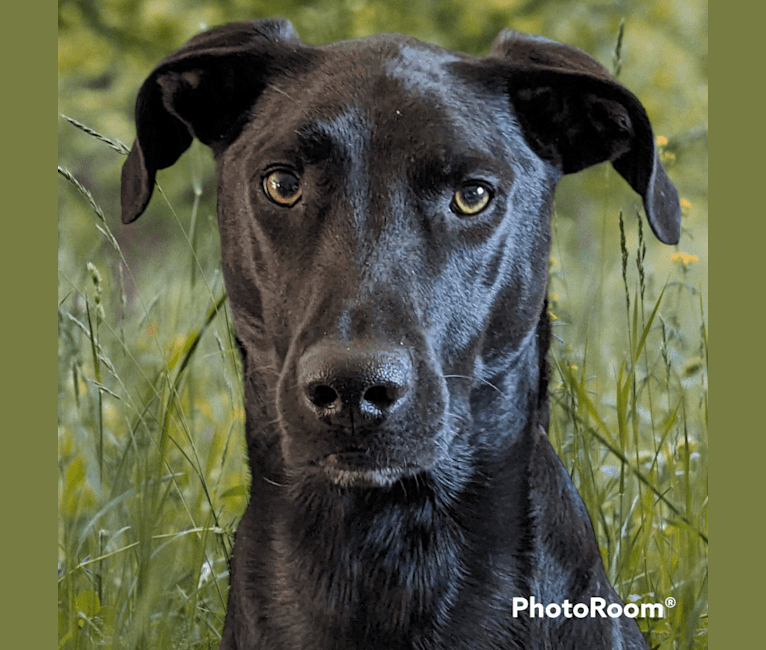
[{"x": 384, "y": 215}]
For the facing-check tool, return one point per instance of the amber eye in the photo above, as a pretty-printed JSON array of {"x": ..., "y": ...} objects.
[
  {"x": 471, "y": 199},
  {"x": 282, "y": 187}
]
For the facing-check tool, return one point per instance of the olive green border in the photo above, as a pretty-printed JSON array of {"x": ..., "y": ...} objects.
[
  {"x": 29, "y": 235},
  {"x": 737, "y": 447}
]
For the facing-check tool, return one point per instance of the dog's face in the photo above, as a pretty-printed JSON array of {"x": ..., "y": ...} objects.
[
  {"x": 383, "y": 209},
  {"x": 386, "y": 216}
]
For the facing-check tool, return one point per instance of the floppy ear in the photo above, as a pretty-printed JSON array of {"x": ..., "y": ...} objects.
[
  {"x": 204, "y": 90},
  {"x": 575, "y": 114}
]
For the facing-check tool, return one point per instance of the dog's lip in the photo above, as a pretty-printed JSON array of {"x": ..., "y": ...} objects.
[{"x": 356, "y": 468}]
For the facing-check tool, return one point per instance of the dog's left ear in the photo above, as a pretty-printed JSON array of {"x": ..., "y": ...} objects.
[
  {"x": 575, "y": 114},
  {"x": 205, "y": 90}
]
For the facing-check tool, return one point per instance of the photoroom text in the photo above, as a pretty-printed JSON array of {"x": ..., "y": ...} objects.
[{"x": 597, "y": 607}]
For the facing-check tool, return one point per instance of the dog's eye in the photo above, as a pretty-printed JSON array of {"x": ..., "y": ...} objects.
[
  {"x": 282, "y": 187},
  {"x": 471, "y": 199}
]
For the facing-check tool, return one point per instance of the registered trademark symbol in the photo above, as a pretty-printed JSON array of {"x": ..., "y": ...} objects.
[{"x": 670, "y": 601}]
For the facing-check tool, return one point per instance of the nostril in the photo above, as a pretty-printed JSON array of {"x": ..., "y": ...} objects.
[
  {"x": 381, "y": 397},
  {"x": 323, "y": 397}
]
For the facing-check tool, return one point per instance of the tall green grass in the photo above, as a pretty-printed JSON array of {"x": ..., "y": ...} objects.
[
  {"x": 152, "y": 471},
  {"x": 634, "y": 437}
]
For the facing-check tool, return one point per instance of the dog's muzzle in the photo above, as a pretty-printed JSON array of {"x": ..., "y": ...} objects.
[{"x": 353, "y": 401}]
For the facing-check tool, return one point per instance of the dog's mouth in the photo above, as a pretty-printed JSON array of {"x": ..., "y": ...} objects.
[{"x": 350, "y": 469}]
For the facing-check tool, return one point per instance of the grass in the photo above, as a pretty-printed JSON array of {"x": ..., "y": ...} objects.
[
  {"x": 635, "y": 441},
  {"x": 152, "y": 471}
]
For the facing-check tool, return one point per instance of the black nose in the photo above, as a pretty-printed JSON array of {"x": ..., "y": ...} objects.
[{"x": 343, "y": 384}]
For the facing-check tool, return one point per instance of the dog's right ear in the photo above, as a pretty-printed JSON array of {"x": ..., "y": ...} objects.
[{"x": 204, "y": 90}]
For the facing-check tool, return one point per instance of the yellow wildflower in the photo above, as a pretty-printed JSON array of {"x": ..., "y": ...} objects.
[{"x": 685, "y": 258}]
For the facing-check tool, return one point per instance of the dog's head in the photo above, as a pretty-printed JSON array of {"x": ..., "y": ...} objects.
[{"x": 384, "y": 214}]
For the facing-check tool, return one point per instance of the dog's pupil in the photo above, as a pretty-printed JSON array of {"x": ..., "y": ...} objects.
[
  {"x": 282, "y": 187},
  {"x": 286, "y": 185},
  {"x": 471, "y": 199},
  {"x": 474, "y": 194}
]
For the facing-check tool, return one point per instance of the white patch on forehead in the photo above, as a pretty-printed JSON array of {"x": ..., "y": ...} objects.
[{"x": 421, "y": 67}]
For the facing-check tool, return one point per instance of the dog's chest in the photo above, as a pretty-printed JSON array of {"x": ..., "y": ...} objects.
[{"x": 360, "y": 575}]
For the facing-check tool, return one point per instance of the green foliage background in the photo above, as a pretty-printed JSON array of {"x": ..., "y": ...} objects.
[{"x": 151, "y": 462}]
